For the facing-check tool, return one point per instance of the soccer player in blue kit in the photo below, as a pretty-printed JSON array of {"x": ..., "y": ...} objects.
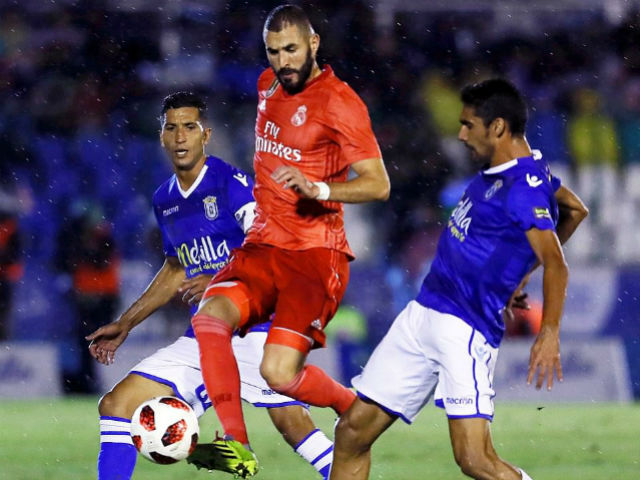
[
  {"x": 513, "y": 215},
  {"x": 203, "y": 212}
]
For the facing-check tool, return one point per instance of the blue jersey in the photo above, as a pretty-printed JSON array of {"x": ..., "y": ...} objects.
[
  {"x": 201, "y": 226},
  {"x": 484, "y": 254}
]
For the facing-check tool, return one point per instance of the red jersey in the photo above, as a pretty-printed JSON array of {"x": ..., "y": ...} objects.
[{"x": 321, "y": 131}]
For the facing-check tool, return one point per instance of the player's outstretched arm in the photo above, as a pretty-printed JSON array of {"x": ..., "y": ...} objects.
[
  {"x": 370, "y": 183},
  {"x": 106, "y": 340},
  {"x": 572, "y": 212},
  {"x": 545, "y": 352}
]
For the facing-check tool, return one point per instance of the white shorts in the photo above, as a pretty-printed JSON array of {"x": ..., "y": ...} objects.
[
  {"x": 424, "y": 349},
  {"x": 178, "y": 366}
]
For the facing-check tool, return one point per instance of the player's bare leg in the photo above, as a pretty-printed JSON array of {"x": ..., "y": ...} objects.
[
  {"x": 117, "y": 457},
  {"x": 293, "y": 422},
  {"x": 356, "y": 432},
  {"x": 284, "y": 370},
  {"x": 126, "y": 396},
  {"x": 297, "y": 428},
  {"x": 474, "y": 452},
  {"x": 281, "y": 363},
  {"x": 220, "y": 308}
]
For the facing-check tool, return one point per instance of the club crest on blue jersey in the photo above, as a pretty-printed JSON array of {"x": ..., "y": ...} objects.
[
  {"x": 497, "y": 185},
  {"x": 210, "y": 207}
]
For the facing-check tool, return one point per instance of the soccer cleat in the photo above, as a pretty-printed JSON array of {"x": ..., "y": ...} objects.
[{"x": 225, "y": 455}]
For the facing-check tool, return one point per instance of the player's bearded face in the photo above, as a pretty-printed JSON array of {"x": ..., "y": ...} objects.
[
  {"x": 475, "y": 136},
  {"x": 291, "y": 54},
  {"x": 293, "y": 80},
  {"x": 481, "y": 150}
]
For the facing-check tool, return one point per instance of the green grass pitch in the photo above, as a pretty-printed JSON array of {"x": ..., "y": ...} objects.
[{"x": 58, "y": 439}]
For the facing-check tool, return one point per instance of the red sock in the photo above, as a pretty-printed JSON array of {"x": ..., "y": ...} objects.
[
  {"x": 312, "y": 385},
  {"x": 220, "y": 373}
]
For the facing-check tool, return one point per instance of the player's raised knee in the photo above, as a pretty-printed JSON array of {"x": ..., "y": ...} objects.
[
  {"x": 277, "y": 375},
  {"x": 217, "y": 309},
  {"x": 109, "y": 405},
  {"x": 221, "y": 302},
  {"x": 114, "y": 404}
]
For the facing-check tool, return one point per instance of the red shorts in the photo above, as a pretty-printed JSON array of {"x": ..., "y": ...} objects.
[{"x": 302, "y": 287}]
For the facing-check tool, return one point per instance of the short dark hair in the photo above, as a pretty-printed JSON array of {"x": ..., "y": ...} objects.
[
  {"x": 497, "y": 98},
  {"x": 184, "y": 99},
  {"x": 284, "y": 15}
]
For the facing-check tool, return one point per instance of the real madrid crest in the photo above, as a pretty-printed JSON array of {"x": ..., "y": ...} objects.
[
  {"x": 300, "y": 116},
  {"x": 210, "y": 207}
]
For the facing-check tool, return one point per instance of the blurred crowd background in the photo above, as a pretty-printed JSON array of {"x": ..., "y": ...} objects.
[{"x": 81, "y": 83}]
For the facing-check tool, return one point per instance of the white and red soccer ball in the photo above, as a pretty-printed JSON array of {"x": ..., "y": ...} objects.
[{"x": 165, "y": 430}]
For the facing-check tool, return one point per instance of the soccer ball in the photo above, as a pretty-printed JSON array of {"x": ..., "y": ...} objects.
[{"x": 164, "y": 430}]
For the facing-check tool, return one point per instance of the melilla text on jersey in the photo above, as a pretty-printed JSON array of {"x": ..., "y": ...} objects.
[
  {"x": 459, "y": 222},
  {"x": 207, "y": 268},
  {"x": 203, "y": 255}
]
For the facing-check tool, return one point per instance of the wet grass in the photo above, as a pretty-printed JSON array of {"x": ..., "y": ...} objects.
[{"x": 58, "y": 439}]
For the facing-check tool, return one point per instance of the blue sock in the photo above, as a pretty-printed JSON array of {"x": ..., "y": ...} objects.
[
  {"x": 317, "y": 449},
  {"x": 117, "y": 457}
]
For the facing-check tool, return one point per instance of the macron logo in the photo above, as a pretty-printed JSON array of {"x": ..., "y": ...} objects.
[
  {"x": 459, "y": 401},
  {"x": 169, "y": 211},
  {"x": 533, "y": 181},
  {"x": 242, "y": 179}
]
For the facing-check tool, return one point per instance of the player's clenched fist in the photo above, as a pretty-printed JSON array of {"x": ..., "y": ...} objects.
[{"x": 291, "y": 177}]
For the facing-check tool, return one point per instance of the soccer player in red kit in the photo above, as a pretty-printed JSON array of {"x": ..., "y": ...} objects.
[{"x": 311, "y": 129}]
